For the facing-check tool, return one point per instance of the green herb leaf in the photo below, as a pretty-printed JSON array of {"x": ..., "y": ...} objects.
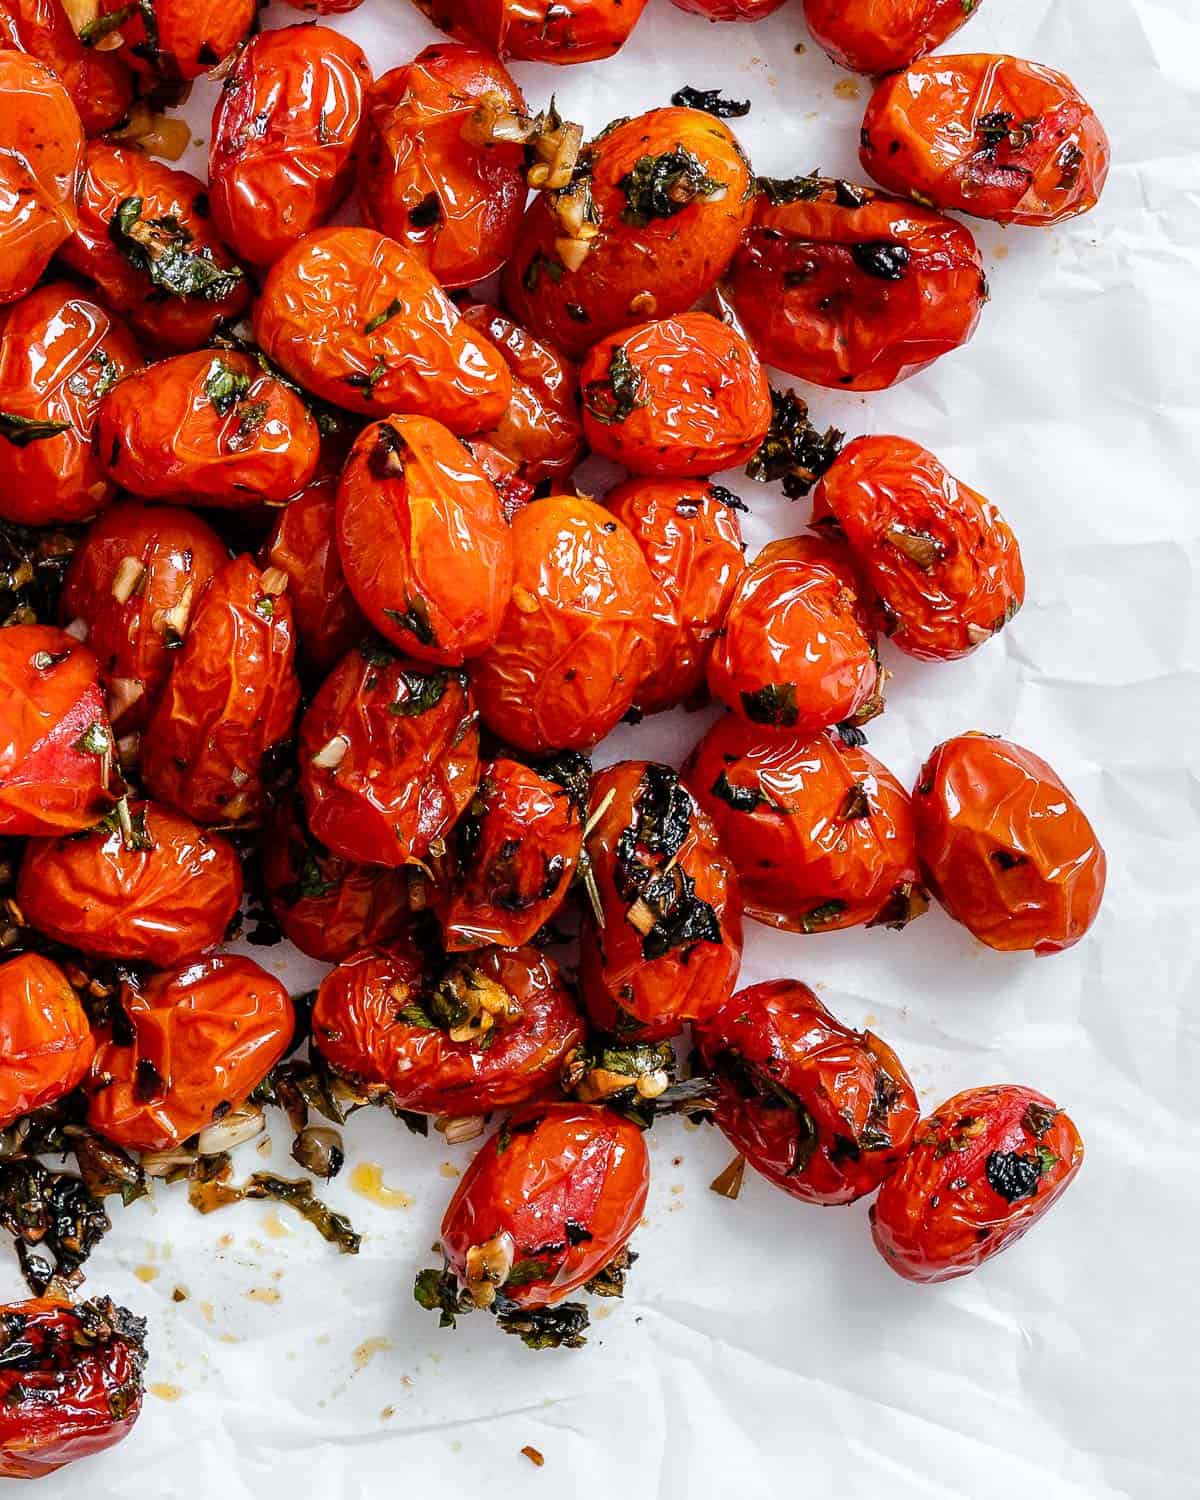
[
  {"x": 711, "y": 101},
  {"x": 21, "y": 431},
  {"x": 389, "y": 312},
  {"x": 661, "y": 186},
  {"x": 774, "y": 703},
  {"x": 415, "y": 618},
  {"x": 225, "y": 387},
  {"x": 793, "y": 450},
  {"x": 617, "y": 397},
  {"x": 424, "y": 691},
  {"x": 162, "y": 249}
]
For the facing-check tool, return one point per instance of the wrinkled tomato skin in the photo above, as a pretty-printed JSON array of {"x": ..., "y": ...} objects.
[
  {"x": 853, "y": 290},
  {"x": 858, "y": 1107},
  {"x": 59, "y": 351},
  {"x": 702, "y": 400},
  {"x": 160, "y": 905},
  {"x": 312, "y": 321},
  {"x": 284, "y": 138},
  {"x": 996, "y": 137},
  {"x": 604, "y": 1012},
  {"x": 731, "y": 10},
  {"x": 809, "y": 858},
  {"x": 205, "y": 1035},
  {"x": 230, "y": 699},
  {"x": 325, "y": 7},
  {"x": 70, "y": 1382},
  {"x": 424, "y": 545},
  {"x": 637, "y": 270},
  {"x": 1005, "y": 847},
  {"x": 41, "y": 154},
  {"x": 191, "y": 36},
  {"x": 949, "y": 1206},
  {"x": 99, "y": 83},
  {"x": 406, "y": 772},
  {"x": 881, "y": 490},
  {"x": 45, "y": 1038},
  {"x": 578, "y": 635},
  {"x": 880, "y": 36},
  {"x": 563, "y": 1167},
  {"x": 50, "y": 783},
  {"x": 574, "y": 31}
]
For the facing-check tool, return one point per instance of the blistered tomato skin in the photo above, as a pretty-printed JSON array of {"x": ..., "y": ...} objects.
[
  {"x": 303, "y": 544},
  {"x": 942, "y": 559},
  {"x": 821, "y": 1110},
  {"x": 45, "y": 1038},
  {"x": 578, "y": 635},
  {"x": 981, "y": 1171},
  {"x": 355, "y": 318},
  {"x": 573, "y": 31},
  {"x": 175, "y": 40},
  {"x": 684, "y": 396},
  {"x": 99, "y": 83},
  {"x": 285, "y": 133},
  {"x": 880, "y": 36},
  {"x": 847, "y": 288},
  {"x": 165, "y": 893},
  {"x": 59, "y": 353},
  {"x": 1005, "y": 847},
  {"x": 996, "y": 137},
  {"x": 669, "y": 195},
  {"x": 205, "y": 1035},
  {"x": 424, "y": 545}
]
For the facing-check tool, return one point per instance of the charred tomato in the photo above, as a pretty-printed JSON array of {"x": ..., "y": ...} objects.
[
  {"x": 569, "y": 31},
  {"x": 45, "y": 1037},
  {"x": 880, "y": 36},
  {"x": 99, "y": 83},
  {"x": 175, "y": 40}
]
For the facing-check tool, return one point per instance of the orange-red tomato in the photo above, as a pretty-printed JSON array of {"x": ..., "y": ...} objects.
[
  {"x": 941, "y": 558},
  {"x": 204, "y": 1036},
  {"x": 569, "y": 31},
  {"x": 59, "y": 353},
  {"x": 325, "y": 7},
  {"x": 163, "y": 892},
  {"x": 822, "y": 1111},
  {"x": 684, "y": 396},
  {"x": 356, "y": 319},
  {"x": 991, "y": 136},
  {"x": 731, "y": 10},
  {"x": 45, "y": 1038},
  {"x": 844, "y": 287},
  {"x": 879, "y": 36},
  {"x": 99, "y": 83},
  {"x": 424, "y": 544},
  {"x": 578, "y": 635},
  {"x": 981, "y": 1171},
  {"x": 1005, "y": 847},
  {"x": 284, "y": 138},
  {"x": 668, "y": 196},
  {"x": 820, "y": 833},
  {"x": 174, "y": 40}
]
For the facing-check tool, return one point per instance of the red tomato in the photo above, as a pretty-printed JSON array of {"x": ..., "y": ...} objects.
[
  {"x": 731, "y": 10},
  {"x": 570, "y": 31},
  {"x": 879, "y": 36},
  {"x": 325, "y": 7},
  {"x": 173, "y": 40},
  {"x": 45, "y": 1038},
  {"x": 99, "y": 83}
]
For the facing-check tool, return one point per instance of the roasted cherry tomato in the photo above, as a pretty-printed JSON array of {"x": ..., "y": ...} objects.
[
  {"x": 134, "y": 581},
  {"x": 685, "y": 396},
  {"x": 820, "y": 833},
  {"x": 879, "y": 36},
  {"x": 942, "y": 559},
  {"x": 1005, "y": 847},
  {"x": 45, "y": 1038},
  {"x": 229, "y": 701},
  {"x": 578, "y": 635},
  {"x": 844, "y": 287},
  {"x": 389, "y": 757},
  {"x": 570, "y": 31},
  {"x": 59, "y": 353},
  {"x": 981, "y": 1171},
  {"x": 730, "y": 10},
  {"x": 822, "y": 1111},
  {"x": 424, "y": 544},
  {"x": 145, "y": 237},
  {"x": 284, "y": 137},
  {"x": 325, "y": 7},
  {"x": 41, "y": 155},
  {"x": 159, "y": 889},
  {"x": 991, "y": 136},
  {"x": 99, "y": 83},
  {"x": 204, "y": 1035},
  {"x": 174, "y": 40},
  {"x": 57, "y": 746},
  {"x": 356, "y": 319},
  {"x": 70, "y": 1382},
  {"x": 654, "y": 212}
]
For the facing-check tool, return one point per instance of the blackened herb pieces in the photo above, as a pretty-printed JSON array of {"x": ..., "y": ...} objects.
[{"x": 711, "y": 101}]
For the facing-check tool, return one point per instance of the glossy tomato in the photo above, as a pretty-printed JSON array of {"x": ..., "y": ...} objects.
[
  {"x": 325, "y": 7},
  {"x": 99, "y": 83},
  {"x": 570, "y": 31},
  {"x": 45, "y": 1038},
  {"x": 879, "y": 36},
  {"x": 730, "y": 10},
  {"x": 174, "y": 40}
]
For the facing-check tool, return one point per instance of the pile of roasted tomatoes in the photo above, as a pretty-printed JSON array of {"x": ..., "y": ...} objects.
[{"x": 309, "y": 634}]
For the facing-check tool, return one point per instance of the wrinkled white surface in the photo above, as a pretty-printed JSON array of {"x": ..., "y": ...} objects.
[{"x": 763, "y": 1347}]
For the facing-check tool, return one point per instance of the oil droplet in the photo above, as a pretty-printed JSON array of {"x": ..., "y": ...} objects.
[
  {"x": 602, "y": 1310},
  {"x": 270, "y": 1294},
  {"x": 224, "y": 1242},
  {"x": 846, "y": 88},
  {"x": 448, "y": 1169},
  {"x": 1001, "y": 252},
  {"x": 387, "y": 1413},
  {"x": 165, "y": 1392},
  {"x": 367, "y": 1350},
  {"x": 231, "y": 1338},
  {"x": 206, "y": 1311},
  {"x": 146, "y": 1273},
  {"x": 367, "y": 1181}
]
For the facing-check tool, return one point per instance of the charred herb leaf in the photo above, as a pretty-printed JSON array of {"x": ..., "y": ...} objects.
[
  {"x": 32, "y": 565},
  {"x": 561, "y": 1327},
  {"x": 21, "y": 431},
  {"x": 438, "y": 1291},
  {"x": 661, "y": 186},
  {"x": 52, "y": 1212},
  {"x": 727, "y": 498},
  {"x": 791, "y": 189},
  {"x": 95, "y": 31},
  {"x": 743, "y": 799},
  {"x": 610, "y": 1282},
  {"x": 424, "y": 691},
  {"x": 756, "y": 1083},
  {"x": 617, "y": 397},
  {"x": 793, "y": 450},
  {"x": 395, "y": 306},
  {"x": 225, "y": 387},
  {"x": 882, "y": 258},
  {"x": 163, "y": 249},
  {"x": 774, "y": 703},
  {"x": 415, "y": 618},
  {"x": 1038, "y": 1119},
  {"x": 711, "y": 101},
  {"x": 1013, "y": 1174}
]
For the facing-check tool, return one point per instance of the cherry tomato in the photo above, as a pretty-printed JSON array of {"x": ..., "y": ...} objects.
[
  {"x": 59, "y": 353},
  {"x": 605, "y": 1013},
  {"x": 820, "y": 833},
  {"x": 822, "y": 1111},
  {"x": 284, "y": 138},
  {"x": 654, "y": 212},
  {"x": 228, "y": 703},
  {"x": 203, "y": 1036},
  {"x": 389, "y": 757},
  {"x": 70, "y": 1382},
  {"x": 175, "y": 40},
  {"x": 57, "y": 746},
  {"x": 730, "y": 10},
  {"x": 45, "y": 1038},
  {"x": 1005, "y": 847},
  {"x": 996, "y": 137},
  {"x": 981, "y": 1171},
  {"x": 325, "y": 7},
  {"x": 424, "y": 544},
  {"x": 880, "y": 36},
  {"x": 685, "y": 396},
  {"x": 570, "y": 31},
  {"x": 942, "y": 559},
  {"x": 578, "y": 635},
  {"x": 99, "y": 83},
  {"x": 844, "y": 287},
  {"x": 356, "y": 319},
  {"x": 161, "y": 890}
]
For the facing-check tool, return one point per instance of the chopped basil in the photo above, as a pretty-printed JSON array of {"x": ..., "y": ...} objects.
[
  {"x": 793, "y": 450},
  {"x": 881, "y": 258},
  {"x": 711, "y": 101},
  {"x": 617, "y": 397},
  {"x": 774, "y": 703},
  {"x": 396, "y": 305},
  {"x": 415, "y": 619},
  {"x": 661, "y": 186},
  {"x": 791, "y": 189},
  {"x": 424, "y": 691},
  {"x": 162, "y": 249},
  {"x": 21, "y": 431},
  {"x": 225, "y": 387}
]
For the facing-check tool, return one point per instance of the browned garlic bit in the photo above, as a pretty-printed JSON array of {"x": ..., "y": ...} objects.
[
  {"x": 917, "y": 546},
  {"x": 551, "y": 142},
  {"x": 729, "y": 1182},
  {"x": 459, "y": 1128},
  {"x": 488, "y": 1267},
  {"x": 482, "y": 1003},
  {"x": 157, "y": 134}
]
